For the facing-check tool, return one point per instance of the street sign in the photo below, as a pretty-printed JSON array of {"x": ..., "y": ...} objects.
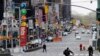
[
  {"x": 30, "y": 24},
  {"x": 46, "y": 7},
  {"x": 43, "y": 25},
  {"x": 7, "y": 15},
  {"x": 37, "y": 23}
]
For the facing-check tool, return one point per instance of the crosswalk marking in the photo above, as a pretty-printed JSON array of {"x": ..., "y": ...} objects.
[
  {"x": 58, "y": 55},
  {"x": 85, "y": 55}
]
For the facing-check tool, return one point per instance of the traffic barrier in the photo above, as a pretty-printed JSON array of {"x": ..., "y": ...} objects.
[{"x": 57, "y": 39}]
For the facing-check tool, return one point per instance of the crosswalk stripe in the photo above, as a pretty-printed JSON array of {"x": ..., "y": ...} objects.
[{"x": 83, "y": 55}]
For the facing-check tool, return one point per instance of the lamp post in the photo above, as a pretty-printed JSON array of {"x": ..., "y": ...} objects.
[
  {"x": 6, "y": 17},
  {"x": 19, "y": 21},
  {"x": 98, "y": 16},
  {"x": 98, "y": 24}
]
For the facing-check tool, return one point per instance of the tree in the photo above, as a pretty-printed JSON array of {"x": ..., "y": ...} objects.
[{"x": 88, "y": 19}]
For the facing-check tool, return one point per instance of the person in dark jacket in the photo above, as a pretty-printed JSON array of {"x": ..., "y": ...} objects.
[
  {"x": 81, "y": 47},
  {"x": 90, "y": 51},
  {"x": 44, "y": 48},
  {"x": 67, "y": 52}
]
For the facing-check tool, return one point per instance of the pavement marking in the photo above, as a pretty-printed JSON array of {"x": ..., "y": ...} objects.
[
  {"x": 85, "y": 54},
  {"x": 46, "y": 54},
  {"x": 20, "y": 55}
]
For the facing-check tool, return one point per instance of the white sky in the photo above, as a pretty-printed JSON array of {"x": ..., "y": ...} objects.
[{"x": 85, "y": 3}]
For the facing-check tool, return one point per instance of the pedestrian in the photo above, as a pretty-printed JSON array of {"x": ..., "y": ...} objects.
[
  {"x": 90, "y": 50},
  {"x": 67, "y": 52},
  {"x": 44, "y": 48},
  {"x": 81, "y": 47},
  {"x": 84, "y": 48}
]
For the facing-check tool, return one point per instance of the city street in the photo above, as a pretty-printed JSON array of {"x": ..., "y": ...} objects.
[
  {"x": 27, "y": 27},
  {"x": 57, "y": 48}
]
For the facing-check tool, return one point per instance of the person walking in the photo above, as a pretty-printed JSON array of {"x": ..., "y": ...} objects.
[
  {"x": 44, "y": 48},
  {"x": 90, "y": 50},
  {"x": 67, "y": 52},
  {"x": 84, "y": 48},
  {"x": 81, "y": 47}
]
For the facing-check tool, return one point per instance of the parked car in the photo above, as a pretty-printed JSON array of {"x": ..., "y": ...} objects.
[
  {"x": 88, "y": 31},
  {"x": 83, "y": 31},
  {"x": 49, "y": 39},
  {"x": 64, "y": 33},
  {"x": 76, "y": 32},
  {"x": 78, "y": 37},
  {"x": 94, "y": 28},
  {"x": 36, "y": 41},
  {"x": 33, "y": 45}
]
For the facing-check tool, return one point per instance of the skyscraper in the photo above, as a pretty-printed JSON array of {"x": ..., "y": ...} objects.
[{"x": 66, "y": 10}]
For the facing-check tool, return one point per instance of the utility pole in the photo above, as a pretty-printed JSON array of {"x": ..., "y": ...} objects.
[
  {"x": 98, "y": 17},
  {"x": 7, "y": 16},
  {"x": 98, "y": 3},
  {"x": 98, "y": 14},
  {"x": 98, "y": 24}
]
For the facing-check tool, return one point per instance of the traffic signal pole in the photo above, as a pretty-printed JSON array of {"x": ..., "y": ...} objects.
[
  {"x": 98, "y": 3},
  {"x": 98, "y": 25}
]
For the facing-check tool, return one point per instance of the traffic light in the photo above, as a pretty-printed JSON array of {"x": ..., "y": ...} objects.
[{"x": 98, "y": 14}]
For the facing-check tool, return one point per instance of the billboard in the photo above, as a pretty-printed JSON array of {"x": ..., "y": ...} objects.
[
  {"x": 23, "y": 35},
  {"x": 30, "y": 24}
]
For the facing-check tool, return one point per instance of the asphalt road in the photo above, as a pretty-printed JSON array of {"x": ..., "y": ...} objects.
[{"x": 57, "y": 48}]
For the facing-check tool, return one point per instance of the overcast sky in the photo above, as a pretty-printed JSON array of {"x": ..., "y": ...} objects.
[{"x": 85, "y": 3}]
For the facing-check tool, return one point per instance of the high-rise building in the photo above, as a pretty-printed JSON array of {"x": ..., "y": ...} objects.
[{"x": 66, "y": 10}]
